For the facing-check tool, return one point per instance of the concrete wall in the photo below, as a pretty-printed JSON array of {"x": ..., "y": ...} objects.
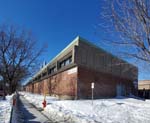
[{"x": 90, "y": 56}]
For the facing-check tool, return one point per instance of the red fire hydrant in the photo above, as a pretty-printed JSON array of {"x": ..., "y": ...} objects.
[
  {"x": 44, "y": 103},
  {"x": 14, "y": 101}
]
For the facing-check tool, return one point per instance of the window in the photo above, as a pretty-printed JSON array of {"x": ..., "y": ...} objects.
[
  {"x": 44, "y": 74},
  {"x": 62, "y": 64},
  {"x": 39, "y": 77},
  {"x": 65, "y": 62},
  {"x": 68, "y": 61},
  {"x": 52, "y": 70},
  {"x": 49, "y": 71}
]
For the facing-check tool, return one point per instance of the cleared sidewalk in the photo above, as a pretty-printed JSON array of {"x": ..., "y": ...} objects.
[{"x": 24, "y": 112}]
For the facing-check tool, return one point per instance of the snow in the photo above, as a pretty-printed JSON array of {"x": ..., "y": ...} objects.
[
  {"x": 5, "y": 109},
  {"x": 116, "y": 110}
]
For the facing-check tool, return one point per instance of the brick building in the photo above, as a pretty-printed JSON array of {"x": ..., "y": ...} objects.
[
  {"x": 144, "y": 89},
  {"x": 70, "y": 74}
]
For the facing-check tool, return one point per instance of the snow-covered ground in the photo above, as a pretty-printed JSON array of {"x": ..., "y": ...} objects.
[
  {"x": 116, "y": 110},
  {"x": 5, "y": 109}
]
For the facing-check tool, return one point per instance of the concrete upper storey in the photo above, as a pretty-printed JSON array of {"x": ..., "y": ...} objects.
[{"x": 81, "y": 52}]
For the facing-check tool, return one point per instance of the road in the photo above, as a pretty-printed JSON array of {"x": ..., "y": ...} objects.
[{"x": 25, "y": 112}]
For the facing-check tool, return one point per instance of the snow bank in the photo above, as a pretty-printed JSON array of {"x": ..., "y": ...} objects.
[
  {"x": 117, "y": 110},
  {"x": 5, "y": 110},
  {"x": 37, "y": 99}
]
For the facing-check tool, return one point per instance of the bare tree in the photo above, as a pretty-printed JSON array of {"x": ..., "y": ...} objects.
[
  {"x": 18, "y": 56},
  {"x": 129, "y": 22}
]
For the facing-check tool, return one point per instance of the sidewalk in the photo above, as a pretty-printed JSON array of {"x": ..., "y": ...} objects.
[{"x": 24, "y": 112}]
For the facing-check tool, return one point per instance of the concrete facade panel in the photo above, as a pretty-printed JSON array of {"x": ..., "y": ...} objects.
[{"x": 92, "y": 57}]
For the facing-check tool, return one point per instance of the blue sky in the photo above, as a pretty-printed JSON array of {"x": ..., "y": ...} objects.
[{"x": 55, "y": 22}]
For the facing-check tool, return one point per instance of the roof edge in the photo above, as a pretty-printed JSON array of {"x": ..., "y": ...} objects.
[{"x": 72, "y": 42}]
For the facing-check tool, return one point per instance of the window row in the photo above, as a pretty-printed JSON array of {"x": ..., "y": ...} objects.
[
  {"x": 51, "y": 70},
  {"x": 65, "y": 62}
]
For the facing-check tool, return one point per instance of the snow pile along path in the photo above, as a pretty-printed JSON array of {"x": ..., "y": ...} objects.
[
  {"x": 122, "y": 110},
  {"x": 5, "y": 109}
]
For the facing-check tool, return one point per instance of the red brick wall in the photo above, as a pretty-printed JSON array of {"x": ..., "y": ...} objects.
[
  {"x": 36, "y": 87},
  {"x": 105, "y": 84},
  {"x": 68, "y": 83},
  {"x": 63, "y": 83}
]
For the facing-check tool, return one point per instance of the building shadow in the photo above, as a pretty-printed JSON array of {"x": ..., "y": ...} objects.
[{"x": 21, "y": 114}]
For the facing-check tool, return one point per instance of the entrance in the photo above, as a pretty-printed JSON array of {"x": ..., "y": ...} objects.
[{"x": 120, "y": 90}]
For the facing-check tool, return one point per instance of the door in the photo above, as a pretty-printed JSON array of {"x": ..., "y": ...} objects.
[{"x": 120, "y": 90}]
